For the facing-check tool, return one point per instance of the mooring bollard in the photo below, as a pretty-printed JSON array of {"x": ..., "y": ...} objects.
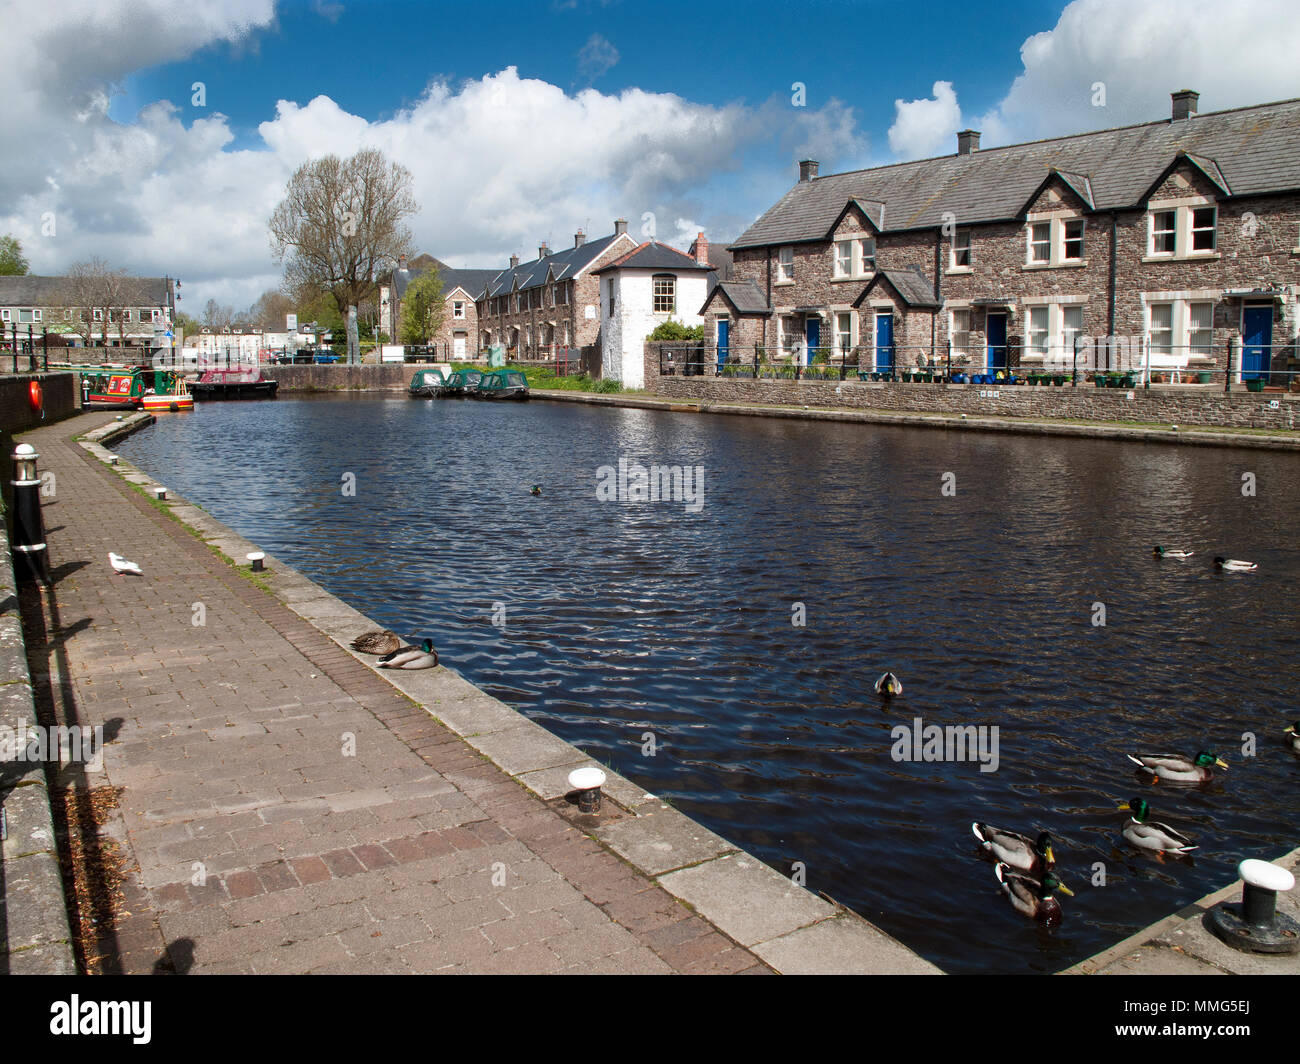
[
  {"x": 1254, "y": 925},
  {"x": 160, "y": 494},
  {"x": 587, "y": 782},
  {"x": 255, "y": 559},
  {"x": 31, "y": 560}
]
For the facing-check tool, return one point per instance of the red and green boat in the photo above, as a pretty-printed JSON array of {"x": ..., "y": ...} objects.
[{"x": 133, "y": 388}]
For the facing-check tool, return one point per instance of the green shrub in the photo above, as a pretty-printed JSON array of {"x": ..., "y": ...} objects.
[{"x": 674, "y": 331}]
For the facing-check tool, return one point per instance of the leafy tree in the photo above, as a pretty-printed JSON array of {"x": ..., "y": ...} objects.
[
  {"x": 12, "y": 261},
  {"x": 422, "y": 309},
  {"x": 672, "y": 330},
  {"x": 341, "y": 223}
]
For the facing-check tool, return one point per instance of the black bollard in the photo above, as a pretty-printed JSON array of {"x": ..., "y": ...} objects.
[
  {"x": 31, "y": 559},
  {"x": 1254, "y": 925}
]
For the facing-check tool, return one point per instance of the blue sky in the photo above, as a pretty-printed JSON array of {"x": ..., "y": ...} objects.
[{"x": 523, "y": 121}]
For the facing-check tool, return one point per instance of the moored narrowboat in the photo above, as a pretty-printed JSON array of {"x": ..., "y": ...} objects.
[{"x": 133, "y": 388}]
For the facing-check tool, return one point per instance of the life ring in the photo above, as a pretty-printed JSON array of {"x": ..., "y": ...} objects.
[{"x": 35, "y": 398}]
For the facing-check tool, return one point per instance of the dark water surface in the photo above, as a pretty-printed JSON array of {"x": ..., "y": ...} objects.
[{"x": 624, "y": 619}]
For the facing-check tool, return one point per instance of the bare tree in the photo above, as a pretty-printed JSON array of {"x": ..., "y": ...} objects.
[
  {"x": 218, "y": 318},
  {"x": 340, "y": 225},
  {"x": 92, "y": 290},
  {"x": 269, "y": 312}
]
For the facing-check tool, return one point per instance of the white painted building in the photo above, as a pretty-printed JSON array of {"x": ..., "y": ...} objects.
[{"x": 640, "y": 291}]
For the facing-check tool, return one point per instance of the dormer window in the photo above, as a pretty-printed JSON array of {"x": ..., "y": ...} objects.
[
  {"x": 1183, "y": 231},
  {"x": 854, "y": 258},
  {"x": 1055, "y": 241}
]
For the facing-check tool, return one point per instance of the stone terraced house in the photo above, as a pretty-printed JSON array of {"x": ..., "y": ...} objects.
[
  {"x": 1179, "y": 237},
  {"x": 135, "y": 312},
  {"x": 551, "y": 301}
]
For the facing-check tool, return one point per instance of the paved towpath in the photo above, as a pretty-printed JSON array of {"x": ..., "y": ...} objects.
[{"x": 257, "y": 841}]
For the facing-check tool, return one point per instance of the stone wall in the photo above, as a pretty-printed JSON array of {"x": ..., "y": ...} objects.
[
  {"x": 1160, "y": 405},
  {"x": 392, "y": 376}
]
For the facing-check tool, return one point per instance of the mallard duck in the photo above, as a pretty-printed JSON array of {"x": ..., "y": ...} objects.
[
  {"x": 421, "y": 657},
  {"x": 1033, "y": 897},
  {"x": 1172, "y": 552},
  {"x": 376, "y": 643},
  {"x": 1177, "y": 768},
  {"x": 535, "y": 490},
  {"x": 1232, "y": 565},
  {"x": 1148, "y": 835},
  {"x": 889, "y": 685},
  {"x": 1018, "y": 851},
  {"x": 1293, "y": 730}
]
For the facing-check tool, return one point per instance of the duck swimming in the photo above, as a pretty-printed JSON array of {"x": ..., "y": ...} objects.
[
  {"x": 1172, "y": 552},
  {"x": 1178, "y": 769},
  {"x": 1148, "y": 835},
  {"x": 535, "y": 490},
  {"x": 1034, "y": 898},
  {"x": 1018, "y": 851},
  {"x": 1294, "y": 731},
  {"x": 376, "y": 643},
  {"x": 1232, "y": 565},
  {"x": 421, "y": 657},
  {"x": 889, "y": 685}
]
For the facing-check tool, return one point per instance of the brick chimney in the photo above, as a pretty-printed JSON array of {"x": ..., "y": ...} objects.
[
  {"x": 700, "y": 250},
  {"x": 808, "y": 169},
  {"x": 579, "y": 238},
  {"x": 543, "y": 251},
  {"x": 514, "y": 261},
  {"x": 1184, "y": 103},
  {"x": 968, "y": 142},
  {"x": 620, "y": 226}
]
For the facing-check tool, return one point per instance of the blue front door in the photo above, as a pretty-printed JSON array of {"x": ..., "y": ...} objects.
[
  {"x": 813, "y": 334},
  {"x": 996, "y": 334},
  {"x": 724, "y": 340},
  {"x": 1256, "y": 342},
  {"x": 884, "y": 343}
]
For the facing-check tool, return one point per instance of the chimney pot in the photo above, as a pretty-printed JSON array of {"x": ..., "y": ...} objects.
[
  {"x": 1184, "y": 103},
  {"x": 514, "y": 261},
  {"x": 543, "y": 251},
  {"x": 968, "y": 142},
  {"x": 700, "y": 250},
  {"x": 620, "y": 226},
  {"x": 579, "y": 238},
  {"x": 808, "y": 169}
]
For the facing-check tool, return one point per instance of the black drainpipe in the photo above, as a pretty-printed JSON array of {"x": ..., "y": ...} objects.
[
  {"x": 938, "y": 288},
  {"x": 1110, "y": 288},
  {"x": 768, "y": 319}
]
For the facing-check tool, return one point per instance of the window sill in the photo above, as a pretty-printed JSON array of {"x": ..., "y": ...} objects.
[
  {"x": 854, "y": 277},
  {"x": 781, "y": 284},
  {"x": 958, "y": 271},
  {"x": 1196, "y": 256},
  {"x": 1067, "y": 265}
]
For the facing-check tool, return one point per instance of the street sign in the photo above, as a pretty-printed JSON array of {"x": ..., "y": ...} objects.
[{"x": 291, "y": 322}]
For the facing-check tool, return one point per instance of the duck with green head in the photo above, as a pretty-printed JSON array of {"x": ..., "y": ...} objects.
[
  {"x": 1179, "y": 769},
  {"x": 1172, "y": 552},
  {"x": 421, "y": 657},
  {"x": 1147, "y": 834},
  {"x": 1035, "y": 898},
  {"x": 1018, "y": 851}
]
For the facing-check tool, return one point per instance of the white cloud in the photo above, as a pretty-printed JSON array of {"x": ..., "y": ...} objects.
[
  {"x": 925, "y": 127},
  {"x": 598, "y": 56},
  {"x": 1233, "y": 55}
]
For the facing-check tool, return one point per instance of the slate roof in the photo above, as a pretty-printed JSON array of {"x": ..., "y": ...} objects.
[
  {"x": 36, "y": 291},
  {"x": 745, "y": 296},
  {"x": 473, "y": 281},
  {"x": 1249, "y": 150},
  {"x": 654, "y": 256},
  {"x": 911, "y": 284},
  {"x": 565, "y": 264}
]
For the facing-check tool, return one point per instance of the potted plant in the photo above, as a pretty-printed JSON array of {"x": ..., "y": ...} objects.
[{"x": 1256, "y": 385}]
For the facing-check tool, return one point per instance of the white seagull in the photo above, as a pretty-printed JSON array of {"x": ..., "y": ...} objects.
[{"x": 121, "y": 565}]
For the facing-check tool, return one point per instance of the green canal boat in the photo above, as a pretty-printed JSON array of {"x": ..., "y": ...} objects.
[
  {"x": 503, "y": 384},
  {"x": 463, "y": 383},
  {"x": 428, "y": 384}
]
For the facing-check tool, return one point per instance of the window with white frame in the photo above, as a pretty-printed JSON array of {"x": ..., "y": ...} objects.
[
  {"x": 1072, "y": 240},
  {"x": 148, "y": 314},
  {"x": 1204, "y": 225},
  {"x": 844, "y": 331},
  {"x": 1055, "y": 241},
  {"x": 28, "y": 316},
  {"x": 791, "y": 334},
  {"x": 1036, "y": 331},
  {"x": 457, "y": 308},
  {"x": 1177, "y": 328},
  {"x": 1040, "y": 242},
  {"x": 855, "y": 257},
  {"x": 1200, "y": 328},
  {"x": 665, "y": 293},
  {"x": 959, "y": 331},
  {"x": 1160, "y": 330},
  {"x": 1183, "y": 231},
  {"x": 1071, "y": 327},
  {"x": 785, "y": 266},
  {"x": 5, "y": 314},
  {"x": 961, "y": 253}
]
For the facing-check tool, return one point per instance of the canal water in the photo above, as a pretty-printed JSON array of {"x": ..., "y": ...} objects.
[{"x": 723, "y": 653}]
